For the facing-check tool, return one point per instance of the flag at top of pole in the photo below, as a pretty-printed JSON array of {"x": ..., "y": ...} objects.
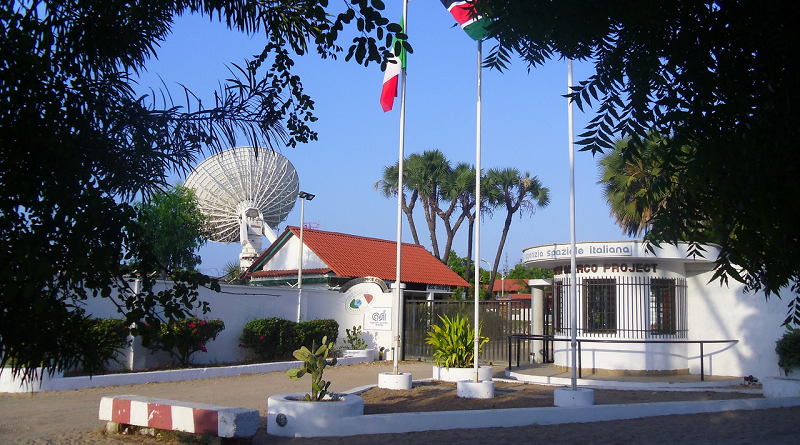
[
  {"x": 464, "y": 12},
  {"x": 392, "y": 74}
]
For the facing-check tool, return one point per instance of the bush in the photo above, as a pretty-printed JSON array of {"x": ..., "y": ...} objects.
[
  {"x": 312, "y": 331},
  {"x": 276, "y": 338},
  {"x": 109, "y": 335},
  {"x": 181, "y": 338},
  {"x": 788, "y": 349},
  {"x": 269, "y": 338},
  {"x": 452, "y": 342},
  {"x": 354, "y": 340}
]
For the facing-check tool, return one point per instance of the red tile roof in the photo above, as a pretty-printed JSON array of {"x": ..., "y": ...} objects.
[
  {"x": 514, "y": 297},
  {"x": 281, "y": 273},
  {"x": 511, "y": 285},
  {"x": 358, "y": 256}
]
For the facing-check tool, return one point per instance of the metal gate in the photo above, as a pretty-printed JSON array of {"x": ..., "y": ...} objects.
[{"x": 499, "y": 319}]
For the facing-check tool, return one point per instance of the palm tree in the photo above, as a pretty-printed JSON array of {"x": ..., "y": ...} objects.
[
  {"x": 458, "y": 192},
  {"x": 635, "y": 185},
  {"x": 426, "y": 173},
  {"x": 508, "y": 189},
  {"x": 388, "y": 186}
]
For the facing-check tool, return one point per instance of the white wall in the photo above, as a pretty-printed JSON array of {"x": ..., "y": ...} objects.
[
  {"x": 237, "y": 305},
  {"x": 721, "y": 312}
]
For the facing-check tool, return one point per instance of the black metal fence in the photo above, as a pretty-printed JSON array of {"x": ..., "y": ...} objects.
[
  {"x": 623, "y": 307},
  {"x": 499, "y": 319}
]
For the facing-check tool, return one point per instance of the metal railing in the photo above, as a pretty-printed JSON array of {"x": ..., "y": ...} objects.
[
  {"x": 519, "y": 338},
  {"x": 499, "y": 318}
]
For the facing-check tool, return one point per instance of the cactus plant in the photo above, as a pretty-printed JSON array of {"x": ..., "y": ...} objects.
[
  {"x": 314, "y": 363},
  {"x": 354, "y": 340}
]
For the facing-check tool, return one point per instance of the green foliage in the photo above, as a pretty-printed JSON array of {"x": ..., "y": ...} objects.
[
  {"x": 77, "y": 144},
  {"x": 452, "y": 342},
  {"x": 703, "y": 74},
  {"x": 110, "y": 336},
  {"x": 523, "y": 272},
  {"x": 788, "y": 350},
  {"x": 270, "y": 338},
  {"x": 233, "y": 274},
  {"x": 311, "y": 331},
  {"x": 181, "y": 338},
  {"x": 173, "y": 225},
  {"x": 354, "y": 340},
  {"x": 276, "y": 338},
  {"x": 314, "y": 363}
]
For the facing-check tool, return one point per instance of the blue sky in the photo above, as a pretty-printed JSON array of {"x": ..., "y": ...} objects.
[{"x": 524, "y": 126}]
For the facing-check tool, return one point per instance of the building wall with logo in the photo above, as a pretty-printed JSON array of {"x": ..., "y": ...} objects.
[{"x": 237, "y": 305}]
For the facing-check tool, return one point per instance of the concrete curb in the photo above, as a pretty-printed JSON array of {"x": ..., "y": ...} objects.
[
  {"x": 446, "y": 420},
  {"x": 70, "y": 383},
  {"x": 173, "y": 415}
]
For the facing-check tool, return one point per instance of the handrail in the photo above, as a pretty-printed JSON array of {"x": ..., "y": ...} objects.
[{"x": 520, "y": 337}]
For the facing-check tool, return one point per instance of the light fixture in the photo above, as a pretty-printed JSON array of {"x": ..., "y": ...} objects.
[{"x": 304, "y": 196}]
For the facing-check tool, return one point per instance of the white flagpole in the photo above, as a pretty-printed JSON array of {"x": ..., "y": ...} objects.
[
  {"x": 477, "y": 215},
  {"x": 398, "y": 298},
  {"x": 573, "y": 276}
]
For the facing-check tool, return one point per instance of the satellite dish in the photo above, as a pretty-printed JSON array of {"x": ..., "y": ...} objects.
[{"x": 245, "y": 192}]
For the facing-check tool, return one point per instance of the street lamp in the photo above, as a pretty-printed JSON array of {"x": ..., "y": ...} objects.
[
  {"x": 502, "y": 280},
  {"x": 304, "y": 196}
]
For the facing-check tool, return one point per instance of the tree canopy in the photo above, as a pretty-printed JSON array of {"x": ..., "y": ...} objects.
[
  {"x": 719, "y": 76},
  {"x": 173, "y": 225},
  {"x": 76, "y": 145}
]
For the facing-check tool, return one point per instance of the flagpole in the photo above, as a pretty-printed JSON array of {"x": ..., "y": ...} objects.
[
  {"x": 478, "y": 215},
  {"x": 573, "y": 258},
  {"x": 396, "y": 316}
]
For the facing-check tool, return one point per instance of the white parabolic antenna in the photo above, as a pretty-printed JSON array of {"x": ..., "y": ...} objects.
[{"x": 245, "y": 192}]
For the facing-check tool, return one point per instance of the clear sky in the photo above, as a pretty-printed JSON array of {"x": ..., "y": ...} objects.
[{"x": 524, "y": 126}]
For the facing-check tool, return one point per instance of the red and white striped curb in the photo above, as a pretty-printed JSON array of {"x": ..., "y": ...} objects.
[{"x": 163, "y": 414}]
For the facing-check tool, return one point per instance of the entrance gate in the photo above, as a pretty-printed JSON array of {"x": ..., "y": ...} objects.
[{"x": 499, "y": 319}]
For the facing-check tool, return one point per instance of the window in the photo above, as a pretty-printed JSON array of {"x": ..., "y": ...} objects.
[
  {"x": 600, "y": 303},
  {"x": 662, "y": 306}
]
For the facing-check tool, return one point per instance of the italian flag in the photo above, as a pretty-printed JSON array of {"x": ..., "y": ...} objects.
[
  {"x": 392, "y": 75},
  {"x": 464, "y": 13}
]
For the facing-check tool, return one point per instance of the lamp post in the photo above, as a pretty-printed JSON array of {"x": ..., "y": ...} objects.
[
  {"x": 502, "y": 280},
  {"x": 304, "y": 196}
]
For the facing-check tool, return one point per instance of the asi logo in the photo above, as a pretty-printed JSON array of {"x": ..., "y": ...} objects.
[{"x": 359, "y": 302}]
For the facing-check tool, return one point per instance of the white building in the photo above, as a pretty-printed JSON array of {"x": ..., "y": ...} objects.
[{"x": 642, "y": 312}]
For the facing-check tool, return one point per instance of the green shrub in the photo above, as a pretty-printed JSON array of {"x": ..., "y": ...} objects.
[
  {"x": 312, "y": 331},
  {"x": 788, "y": 349},
  {"x": 110, "y": 336},
  {"x": 354, "y": 340},
  {"x": 181, "y": 338},
  {"x": 270, "y": 338},
  {"x": 452, "y": 342}
]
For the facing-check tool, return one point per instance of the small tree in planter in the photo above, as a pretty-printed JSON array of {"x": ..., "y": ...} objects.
[
  {"x": 788, "y": 349},
  {"x": 452, "y": 342},
  {"x": 354, "y": 340},
  {"x": 314, "y": 363}
]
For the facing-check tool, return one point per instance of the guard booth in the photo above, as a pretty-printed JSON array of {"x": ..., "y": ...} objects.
[{"x": 648, "y": 311}]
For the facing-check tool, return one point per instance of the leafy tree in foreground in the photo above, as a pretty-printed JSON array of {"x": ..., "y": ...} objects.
[
  {"x": 719, "y": 76},
  {"x": 76, "y": 146},
  {"x": 173, "y": 225}
]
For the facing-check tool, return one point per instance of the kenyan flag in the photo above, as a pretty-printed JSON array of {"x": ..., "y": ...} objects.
[{"x": 464, "y": 13}]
